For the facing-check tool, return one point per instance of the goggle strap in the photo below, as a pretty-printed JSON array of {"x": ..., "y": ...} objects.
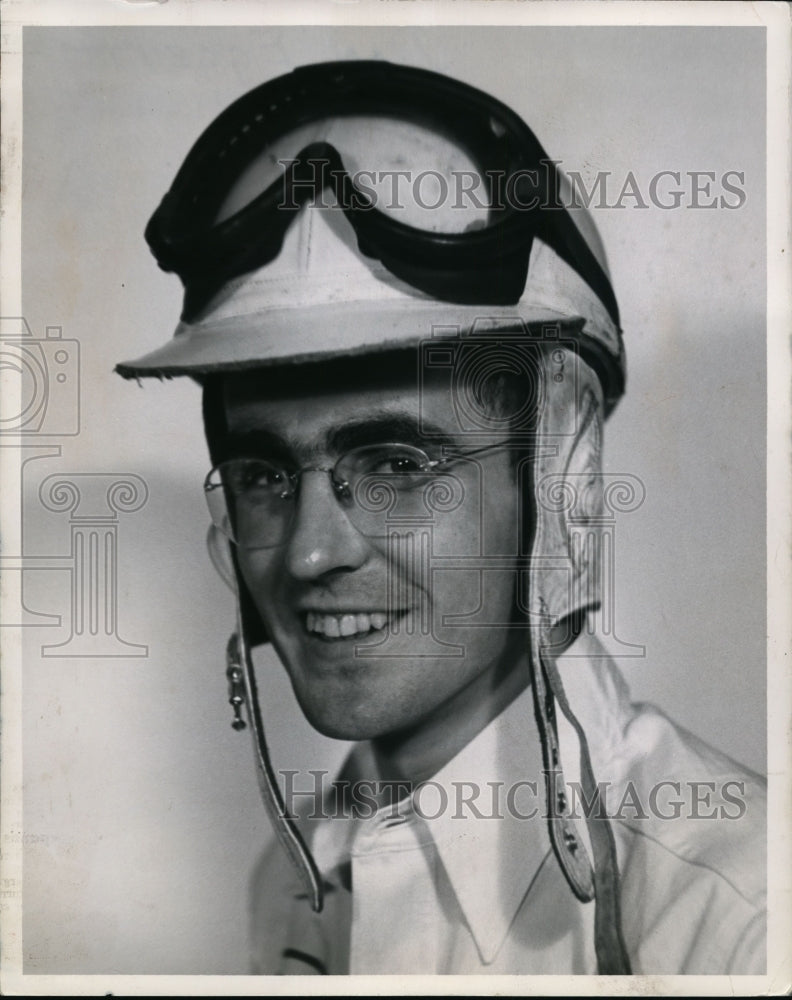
[{"x": 565, "y": 238}]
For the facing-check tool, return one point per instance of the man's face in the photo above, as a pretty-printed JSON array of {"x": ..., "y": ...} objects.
[{"x": 380, "y": 634}]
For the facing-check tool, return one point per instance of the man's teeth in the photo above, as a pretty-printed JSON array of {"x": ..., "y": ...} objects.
[{"x": 335, "y": 626}]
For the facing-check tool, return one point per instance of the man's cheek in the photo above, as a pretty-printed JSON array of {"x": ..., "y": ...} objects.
[
  {"x": 456, "y": 593},
  {"x": 259, "y": 575},
  {"x": 474, "y": 599}
]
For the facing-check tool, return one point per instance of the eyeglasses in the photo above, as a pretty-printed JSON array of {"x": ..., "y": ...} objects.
[{"x": 253, "y": 500}]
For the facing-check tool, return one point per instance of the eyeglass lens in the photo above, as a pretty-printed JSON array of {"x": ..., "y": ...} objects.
[{"x": 253, "y": 500}]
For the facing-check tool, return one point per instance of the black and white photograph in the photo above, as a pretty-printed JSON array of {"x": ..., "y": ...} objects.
[{"x": 395, "y": 506}]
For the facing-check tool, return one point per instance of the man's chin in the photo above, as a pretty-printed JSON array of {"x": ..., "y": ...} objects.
[
  {"x": 339, "y": 725},
  {"x": 337, "y": 714}
]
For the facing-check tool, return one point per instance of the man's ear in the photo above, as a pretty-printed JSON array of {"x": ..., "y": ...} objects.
[
  {"x": 223, "y": 561},
  {"x": 220, "y": 554}
]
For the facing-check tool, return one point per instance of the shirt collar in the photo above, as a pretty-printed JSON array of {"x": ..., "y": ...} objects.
[{"x": 492, "y": 861}]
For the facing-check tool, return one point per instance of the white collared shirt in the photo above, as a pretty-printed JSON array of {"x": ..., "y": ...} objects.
[{"x": 461, "y": 877}]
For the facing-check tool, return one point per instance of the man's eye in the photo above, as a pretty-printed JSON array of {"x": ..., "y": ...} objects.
[
  {"x": 401, "y": 464},
  {"x": 397, "y": 462},
  {"x": 257, "y": 476}
]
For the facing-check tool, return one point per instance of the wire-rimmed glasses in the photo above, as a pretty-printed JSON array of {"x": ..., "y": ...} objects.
[{"x": 253, "y": 500}]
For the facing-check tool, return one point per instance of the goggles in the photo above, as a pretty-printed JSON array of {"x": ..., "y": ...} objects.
[
  {"x": 478, "y": 254},
  {"x": 253, "y": 501}
]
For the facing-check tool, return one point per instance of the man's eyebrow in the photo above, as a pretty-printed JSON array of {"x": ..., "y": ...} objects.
[
  {"x": 256, "y": 441},
  {"x": 375, "y": 428},
  {"x": 403, "y": 428}
]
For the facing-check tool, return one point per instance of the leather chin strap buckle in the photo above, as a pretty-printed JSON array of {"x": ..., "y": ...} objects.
[
  {"x": 600, "y": 882},
  {"x": 236, "y": 688},
  {"x": 570, "y": 851}
]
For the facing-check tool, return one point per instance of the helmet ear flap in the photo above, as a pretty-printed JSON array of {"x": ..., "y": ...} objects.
[
  {"x": 583, "y": 480},
  {"x": 569, "y": 496}
]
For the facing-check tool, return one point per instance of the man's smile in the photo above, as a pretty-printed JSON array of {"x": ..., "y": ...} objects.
[{"x": 348, "y": 623}]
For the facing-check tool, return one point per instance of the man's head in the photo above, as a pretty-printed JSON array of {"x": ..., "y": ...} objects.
[{"x": 392, "y": 602}]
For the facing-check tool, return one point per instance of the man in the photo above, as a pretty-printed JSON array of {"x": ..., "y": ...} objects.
[{"x": 408, "y": 342}]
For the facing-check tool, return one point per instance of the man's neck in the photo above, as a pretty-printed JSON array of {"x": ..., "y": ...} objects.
[{"x": 414, "y": 755}]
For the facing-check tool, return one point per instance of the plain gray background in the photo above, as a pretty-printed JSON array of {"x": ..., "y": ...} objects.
[{"x": 142, "y": 815}]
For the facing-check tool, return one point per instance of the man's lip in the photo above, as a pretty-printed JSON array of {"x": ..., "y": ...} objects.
[{"x": 357, "y": 609}]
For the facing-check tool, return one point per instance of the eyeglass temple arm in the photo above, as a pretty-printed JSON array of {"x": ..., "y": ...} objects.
[{"x": 470, "y": 454}]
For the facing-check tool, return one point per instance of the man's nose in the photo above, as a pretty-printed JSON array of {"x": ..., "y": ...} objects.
[{"x": 322, "y": 539}]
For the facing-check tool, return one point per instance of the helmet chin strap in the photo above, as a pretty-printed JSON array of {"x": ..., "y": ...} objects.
[
  {"x": 239, "y": 669},
  {"x": 601, "y": 884},
  {"x": 569, "y": 500},
  {"x": 283, "y": 822}
]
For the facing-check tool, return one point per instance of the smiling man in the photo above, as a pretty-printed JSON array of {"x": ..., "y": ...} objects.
[
  {"x": 404, "y": 392},
  {"x": 331, "y": 578}
]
